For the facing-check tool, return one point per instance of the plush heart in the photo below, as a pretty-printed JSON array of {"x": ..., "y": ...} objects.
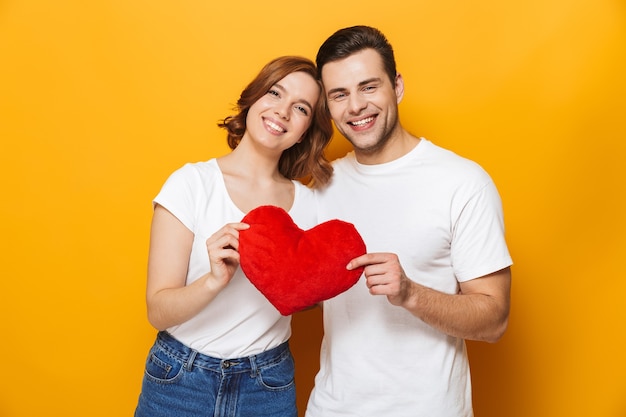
[{"x": 296, "y": 269}]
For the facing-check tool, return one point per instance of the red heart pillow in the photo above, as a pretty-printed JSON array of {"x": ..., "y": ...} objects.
[{"x": 293, "y": 268}]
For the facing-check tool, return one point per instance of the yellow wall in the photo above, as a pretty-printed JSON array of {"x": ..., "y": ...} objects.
[{"x": 101, "y": 100}]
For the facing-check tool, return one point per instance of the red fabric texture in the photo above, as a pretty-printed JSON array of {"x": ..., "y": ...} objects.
[{"x": 293, "y": 268}]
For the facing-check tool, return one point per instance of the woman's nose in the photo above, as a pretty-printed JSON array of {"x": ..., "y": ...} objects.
[{"x": 282, "y": 110}]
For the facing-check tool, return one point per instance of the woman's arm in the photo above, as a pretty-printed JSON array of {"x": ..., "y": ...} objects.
[{"x": 170, "y": 302}]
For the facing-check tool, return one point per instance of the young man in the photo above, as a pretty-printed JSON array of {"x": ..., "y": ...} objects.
[{"x": 437, "y": 269}]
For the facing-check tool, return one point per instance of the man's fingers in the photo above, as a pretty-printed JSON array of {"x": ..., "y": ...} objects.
[
  {"x": 371, "y": 259},
  {"x": 363, "y": 260}
]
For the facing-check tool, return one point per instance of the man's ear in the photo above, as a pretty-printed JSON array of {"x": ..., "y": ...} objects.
[{"x": 399, "y": 88}]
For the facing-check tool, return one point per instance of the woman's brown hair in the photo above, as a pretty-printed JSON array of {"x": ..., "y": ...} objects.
[{"x": 306, "y": 158}]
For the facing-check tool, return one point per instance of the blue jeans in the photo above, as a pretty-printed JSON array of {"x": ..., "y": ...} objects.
[{"x": 181, "y": 382}]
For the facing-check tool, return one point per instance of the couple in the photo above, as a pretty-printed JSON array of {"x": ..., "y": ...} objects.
[{"x": 437, "y": 269}]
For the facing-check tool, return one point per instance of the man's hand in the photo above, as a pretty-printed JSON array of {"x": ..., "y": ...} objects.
[
  {"x": 384, "y": 276},
  {"x": 478, "y": 311}
]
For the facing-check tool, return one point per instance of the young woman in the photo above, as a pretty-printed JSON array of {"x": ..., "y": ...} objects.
[{"x": 222, "y": 348}]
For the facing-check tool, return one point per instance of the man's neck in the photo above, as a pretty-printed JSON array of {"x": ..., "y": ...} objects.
[{"x": 396, "y": 147}]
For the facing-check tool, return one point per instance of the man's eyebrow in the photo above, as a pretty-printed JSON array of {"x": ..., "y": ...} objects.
[
  {"x": 302, "y": 100},
  {"x": 335, "y": 90},
  {"x": 361, "y": 84},
  {"x": 369, "y": 81}
]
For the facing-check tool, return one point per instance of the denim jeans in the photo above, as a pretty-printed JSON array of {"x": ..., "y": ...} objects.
[{"x": 181, "y": 382}]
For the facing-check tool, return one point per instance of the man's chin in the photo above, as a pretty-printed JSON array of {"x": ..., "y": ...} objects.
[{"x": 366, "y": 147}]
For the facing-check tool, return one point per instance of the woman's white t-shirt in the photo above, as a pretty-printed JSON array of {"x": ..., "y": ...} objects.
[{"x": 240, "y": 321}]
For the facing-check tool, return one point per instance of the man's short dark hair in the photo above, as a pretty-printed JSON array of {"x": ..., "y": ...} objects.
[{"x": 350, "y": 40}]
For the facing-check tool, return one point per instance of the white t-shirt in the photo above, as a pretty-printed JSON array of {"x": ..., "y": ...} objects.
[
  {"x": 240, "y": 321},
  {"x": 441, "y": 214}
]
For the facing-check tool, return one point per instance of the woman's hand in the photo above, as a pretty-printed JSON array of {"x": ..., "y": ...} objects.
[{"x": 222, "y": 248}]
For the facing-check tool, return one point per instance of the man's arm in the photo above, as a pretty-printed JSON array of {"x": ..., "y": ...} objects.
[{"x": 480, "y": 310}]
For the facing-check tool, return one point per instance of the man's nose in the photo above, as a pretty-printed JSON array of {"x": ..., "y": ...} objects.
[{"x": 356, "y": 103}]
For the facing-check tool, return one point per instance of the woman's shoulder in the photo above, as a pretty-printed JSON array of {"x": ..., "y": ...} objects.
[
  {"x": 197, "y": 171},
  {"x": 303, "y": 210},
  {"x": 200, "y": 167},
  {"x": 302, "y": 192}
]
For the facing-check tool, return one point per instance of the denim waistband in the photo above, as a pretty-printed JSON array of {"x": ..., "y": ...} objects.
[{"x": 192, "y": 357}]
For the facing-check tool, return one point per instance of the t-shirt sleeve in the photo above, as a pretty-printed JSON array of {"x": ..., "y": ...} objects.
[
  {"x": 178, "y": 197},
  {"x": 478, "y": 244}
]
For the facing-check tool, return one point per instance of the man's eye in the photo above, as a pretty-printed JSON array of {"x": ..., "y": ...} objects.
[{"x": 338, "y": 96}]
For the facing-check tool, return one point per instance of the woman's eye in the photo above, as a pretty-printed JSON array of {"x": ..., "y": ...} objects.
[
  {"x": 273, "y": 92},
  {"x": 302, "y": 110}
]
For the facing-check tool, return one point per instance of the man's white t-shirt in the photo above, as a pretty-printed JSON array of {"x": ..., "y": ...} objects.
[{"x": 441, "y": 214}]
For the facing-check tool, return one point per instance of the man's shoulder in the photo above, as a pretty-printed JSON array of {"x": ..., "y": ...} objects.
[
  {"x": 453, "y": 162},
  {"x": 346, "y": 159}
]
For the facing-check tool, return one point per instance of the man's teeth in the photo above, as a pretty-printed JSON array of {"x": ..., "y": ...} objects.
[
  {"x": 274, "y": 126},
  {"x": 362, "y": 121}
]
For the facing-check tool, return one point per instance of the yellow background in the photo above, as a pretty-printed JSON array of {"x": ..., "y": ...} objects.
[{"x": 101, "y": 100}]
